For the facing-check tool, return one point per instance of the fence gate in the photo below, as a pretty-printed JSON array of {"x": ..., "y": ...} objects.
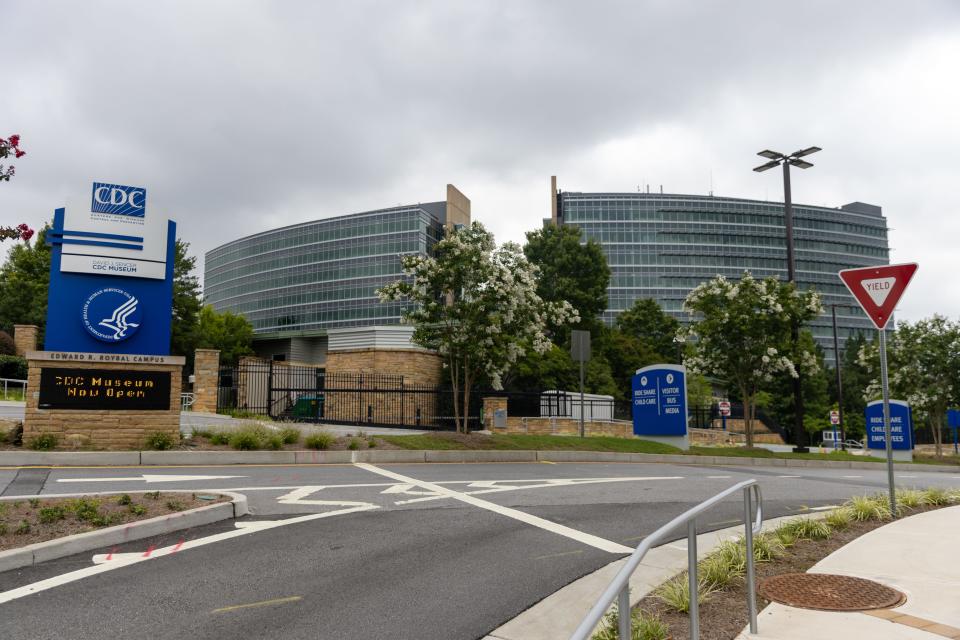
[{"x": 310, "y": 394}]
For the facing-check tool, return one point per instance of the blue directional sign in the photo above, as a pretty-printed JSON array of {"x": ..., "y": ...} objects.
[
  {"x": 901, "y": 425},
  {"x": 953, "y": 418},
  {"x": 660, "y": 401}
]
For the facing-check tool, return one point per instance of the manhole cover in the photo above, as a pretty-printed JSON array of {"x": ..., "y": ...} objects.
[{"x": 828, "y": 592}]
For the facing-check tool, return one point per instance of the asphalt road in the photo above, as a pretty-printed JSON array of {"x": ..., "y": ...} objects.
[{"x": 369, "y": 551}]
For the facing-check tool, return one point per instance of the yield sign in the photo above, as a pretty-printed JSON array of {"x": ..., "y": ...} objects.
[{"x": 878, "y": 289}]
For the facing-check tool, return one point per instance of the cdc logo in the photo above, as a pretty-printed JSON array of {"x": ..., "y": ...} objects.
[
  {"x": 111, "y": 314},
  {"x": 119, "y": 200}
]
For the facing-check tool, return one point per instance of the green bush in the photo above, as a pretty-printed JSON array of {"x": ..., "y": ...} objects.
[
  {"x": 34, "y": 502},
  {"x": 219, "y": 437},
  {"x": 23, "y": 528},
  {"x": 321, "y": 440},
  {"x": 13, "y": 367},
  {"x": 289, "y": 435},
  {"x": 244, "y": 441},
  {"x": 839, "y": 518},
  {"x": 159, "y": 441},
  {"x": 371, "y": 443},
  {"x": 863, "y": 508},
  {"x": 354, "y": 444},
  {"x": 49, "y": 515},
  {"x": 124, "y": 499},
  {"x": 153, "y": 495},
  {"x": 175, "y": 505},
  {"x": 937, "y": 497},
  {"x": 808, "y": 528},
  {"x": 86, "y": 509},
  {"x": 43, "y": 442},
  {"x": 274, "y": 442},
  {"x": 766, "y": 548},
  {"x": 642, "y": 627},
  {"x": 675, "y": 593},
  {"x": 138, "y": 509}
]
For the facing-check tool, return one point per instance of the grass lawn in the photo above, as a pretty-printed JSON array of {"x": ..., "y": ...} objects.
[
  {"x": 766, "y": 453},
  {"x": 446, "y": 440}
]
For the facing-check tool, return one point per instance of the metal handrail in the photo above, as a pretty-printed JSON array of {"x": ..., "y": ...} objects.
[
  {"x": 6, "y": 381},
  {"x": 619, "y": 587}
]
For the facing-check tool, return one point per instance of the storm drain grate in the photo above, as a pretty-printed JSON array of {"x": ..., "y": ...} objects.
[{"x": 829, "y": 592}]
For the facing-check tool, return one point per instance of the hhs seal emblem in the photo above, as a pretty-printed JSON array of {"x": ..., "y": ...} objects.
[{"x": 111, "y": 314}]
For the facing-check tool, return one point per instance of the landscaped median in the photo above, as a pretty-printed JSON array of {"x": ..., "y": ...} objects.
[
  {"x": 35, "y": 529},
  {"x": 794, "y": 546}
]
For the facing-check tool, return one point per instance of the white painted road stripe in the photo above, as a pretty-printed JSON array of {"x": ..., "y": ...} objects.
[
  {"x": 96, "y": 569},
  {"x": 546, "y": 525},
  {"x": 151, "y": 478},
  {"x": 789, "y": 476},
  {"x": 851, "y": 476},
  {"x": 719, "y": 477}
]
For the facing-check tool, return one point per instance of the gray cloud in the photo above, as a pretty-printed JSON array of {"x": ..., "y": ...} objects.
[{"x": 246, "y": 115}]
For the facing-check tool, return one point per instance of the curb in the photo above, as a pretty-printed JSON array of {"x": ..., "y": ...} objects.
[
  {"x": 90, "y": 540},
  {"x": 557, "y": 615},
  {"x": 204, "y": 458}
]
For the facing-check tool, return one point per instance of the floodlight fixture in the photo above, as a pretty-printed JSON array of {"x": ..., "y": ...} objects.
[
  {"x": 773, "y": 155},
  {"x": 805, "y": 152},
  {"x": 803, "y": 164},
  {"x": 769, "y": 165}
]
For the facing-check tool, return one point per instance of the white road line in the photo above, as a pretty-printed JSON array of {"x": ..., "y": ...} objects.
[
  {"x": 789, "y": 476},
  {"x": 851, "y": 476},
  {"x": 151, "y": 478},
  {"x": 719, "y": 477},
  {"x": 97, "y": 569},
  {"x": 900, "y": 476},
  {"x": 546, "y": 525},
  {"x": 826, "y": 508},
  {"x": 297, "y": 497}
]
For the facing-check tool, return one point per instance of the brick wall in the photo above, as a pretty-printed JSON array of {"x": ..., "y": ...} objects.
[
  {"x": 563, "y": 427},
  {"x": 415, "y": 365},
  {"x": 206, "y": 377},
  {"x": 25, "y": 338},
  {"x": 101, "y": 429}
]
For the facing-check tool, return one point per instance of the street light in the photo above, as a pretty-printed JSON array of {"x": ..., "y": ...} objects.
[{"x": 776, "y": 158}]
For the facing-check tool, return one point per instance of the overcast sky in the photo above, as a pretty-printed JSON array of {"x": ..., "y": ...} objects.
[{"x": 243, "y": 116}]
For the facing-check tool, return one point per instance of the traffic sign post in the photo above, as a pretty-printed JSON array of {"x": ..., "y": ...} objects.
[
  {"x": 878, "y": 289},
  {"x": 580, "y": 351},
  {"x": 724, "y": 412},
  {"x": 835, "y": 420}
]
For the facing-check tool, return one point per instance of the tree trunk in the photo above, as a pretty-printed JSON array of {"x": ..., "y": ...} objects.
[
  {"x": 455, "y": 381},
  {"x": 466, "y": 398},
  {"x": 936, "y": 427},
  {"x": 747, "y": 416}
]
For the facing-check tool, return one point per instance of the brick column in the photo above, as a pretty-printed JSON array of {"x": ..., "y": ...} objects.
[
  {"x": 206, "y": 379},
  {"x": 489, "y": 406},
  {"x": 25, "y": 338}
]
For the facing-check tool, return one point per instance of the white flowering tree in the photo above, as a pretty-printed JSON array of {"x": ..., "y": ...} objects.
[
  {"x": 923, "y": 360},
  {"x": 740, "y": 333},
  {"x": 477, "y": 306}
]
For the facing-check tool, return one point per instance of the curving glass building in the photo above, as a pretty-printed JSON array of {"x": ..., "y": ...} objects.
[
  {"x": 661, "y": 246},
  {"x": 296, "y": 283}
]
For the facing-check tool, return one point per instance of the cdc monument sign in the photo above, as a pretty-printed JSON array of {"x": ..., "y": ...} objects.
[
  {"x": 901, "y": 428},
  {"x": 111, "y": 274},
  {"x": 660, "y": 404}
]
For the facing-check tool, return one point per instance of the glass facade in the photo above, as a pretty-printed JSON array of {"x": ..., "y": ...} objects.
[
  {"x": 310, "y": 277},
  {"x": 661, "y": 246}
]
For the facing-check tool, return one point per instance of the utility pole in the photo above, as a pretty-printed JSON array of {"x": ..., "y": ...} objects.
[{"x": 836, "y": 353}]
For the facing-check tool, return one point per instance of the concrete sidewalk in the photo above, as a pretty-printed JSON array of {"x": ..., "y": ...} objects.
[{"x": 911, "y": 555}]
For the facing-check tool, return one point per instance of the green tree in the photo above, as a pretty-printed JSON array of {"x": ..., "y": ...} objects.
[
  {"x": 922, "y": 359},
  {"x": 856, "y": 379},
  {"x": 477, "y": 306},
  {"x": 186, "y": 304},
  {"x": 232, "y": 334},
  {"x": 740, "y": 333},
  {"x": 571, "y": 271},
  {"x": 815, "y": 387},
  {"x": 626, "y": 353},
  {"x": 647, "y": 322},
  {"x": 24, "y": 280},
  {"x": 555, "y": 369}
]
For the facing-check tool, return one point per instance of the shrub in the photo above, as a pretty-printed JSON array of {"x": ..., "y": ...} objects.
[
  {"x": 175, "y": 505},
  {"x": 15, "y": 435},
  {"x": 49, "y": 515},
  {"x": 3, "y": 508},
  {"x": 244, "y": 441},
  {"x": 839, "y": 518},
  {"x": 218, "y": 437},
  {"x": 159, "y": 441},
  {"x": 863, "y": 508},
  {"x": 808, "y": 528},
  {"x": 766, "y": 548},
  {"x": 354, "y": 444},
  {"x": 124, "y": 499},
  {"x": 43, "y": 442},
  {"x": 138, "y": 509},
  {"x": 34, "y": 502},
  {"x": 86, "y": 509},
  {"x": 7, "y": 346},
  {"x": 274, "y": 442},
  {"x": 321, "y": 440},
  {"x": 13, "y": 367},
  {"x": 675, "y": 593},
  {"x": 153, "y": 495},
  {"x": 642, "y": 627},
  {"x": 289, "y": 435},
  {"x": 23, "y": 528},
  {"x": 936, "y": 496},
  {"x": 201, "y": 433},
  {"x": 372, "y": 442}
]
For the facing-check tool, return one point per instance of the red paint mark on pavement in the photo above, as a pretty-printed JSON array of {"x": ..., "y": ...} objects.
[
  {"x": 179, "y": 544},
  {"x": 110, "y": 555},
  {"x": 149, "y": 550}
]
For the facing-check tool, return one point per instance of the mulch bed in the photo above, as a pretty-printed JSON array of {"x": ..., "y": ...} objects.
[
  {"x": 106, "y": 511},
  {"x": 724, "y": 615}
]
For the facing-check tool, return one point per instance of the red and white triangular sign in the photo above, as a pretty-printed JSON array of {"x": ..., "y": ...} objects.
[{"x": 878, "y": 289}]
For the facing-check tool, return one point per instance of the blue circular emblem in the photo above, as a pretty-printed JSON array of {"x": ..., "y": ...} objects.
[{"x": 111, "y": 314}]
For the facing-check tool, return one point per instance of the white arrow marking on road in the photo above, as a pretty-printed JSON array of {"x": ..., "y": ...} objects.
[
  {"x": 151, "y": 479},
  {"x": 407, "y": 489},
  {"x": 297, "y": 497}
]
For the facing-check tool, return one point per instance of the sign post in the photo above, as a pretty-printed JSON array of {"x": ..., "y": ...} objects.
[
  {"x": 835, "y": 420},
  {"x": 878, "y": 289},
  {"x": 724, "y": 412},
  {"x": 580, "y": 350},
  {"x": 953, "y": 421}
]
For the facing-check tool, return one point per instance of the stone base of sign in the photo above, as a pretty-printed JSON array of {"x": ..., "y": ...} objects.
[
  {"x": 680, "y": 442},
  {"x": 206, "y": 377},
  {"x": 559, "y": 427},
  {"x": 25, "y": 338},
  {"x": 102, "y": 427},
  {"x": 899, "y": 455}
]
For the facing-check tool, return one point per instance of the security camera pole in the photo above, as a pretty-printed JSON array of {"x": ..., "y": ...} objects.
[{"x": 580, "y": 350}]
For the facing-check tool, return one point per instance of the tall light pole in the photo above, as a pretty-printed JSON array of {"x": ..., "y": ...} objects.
[{"x": 776, "y": 158}]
